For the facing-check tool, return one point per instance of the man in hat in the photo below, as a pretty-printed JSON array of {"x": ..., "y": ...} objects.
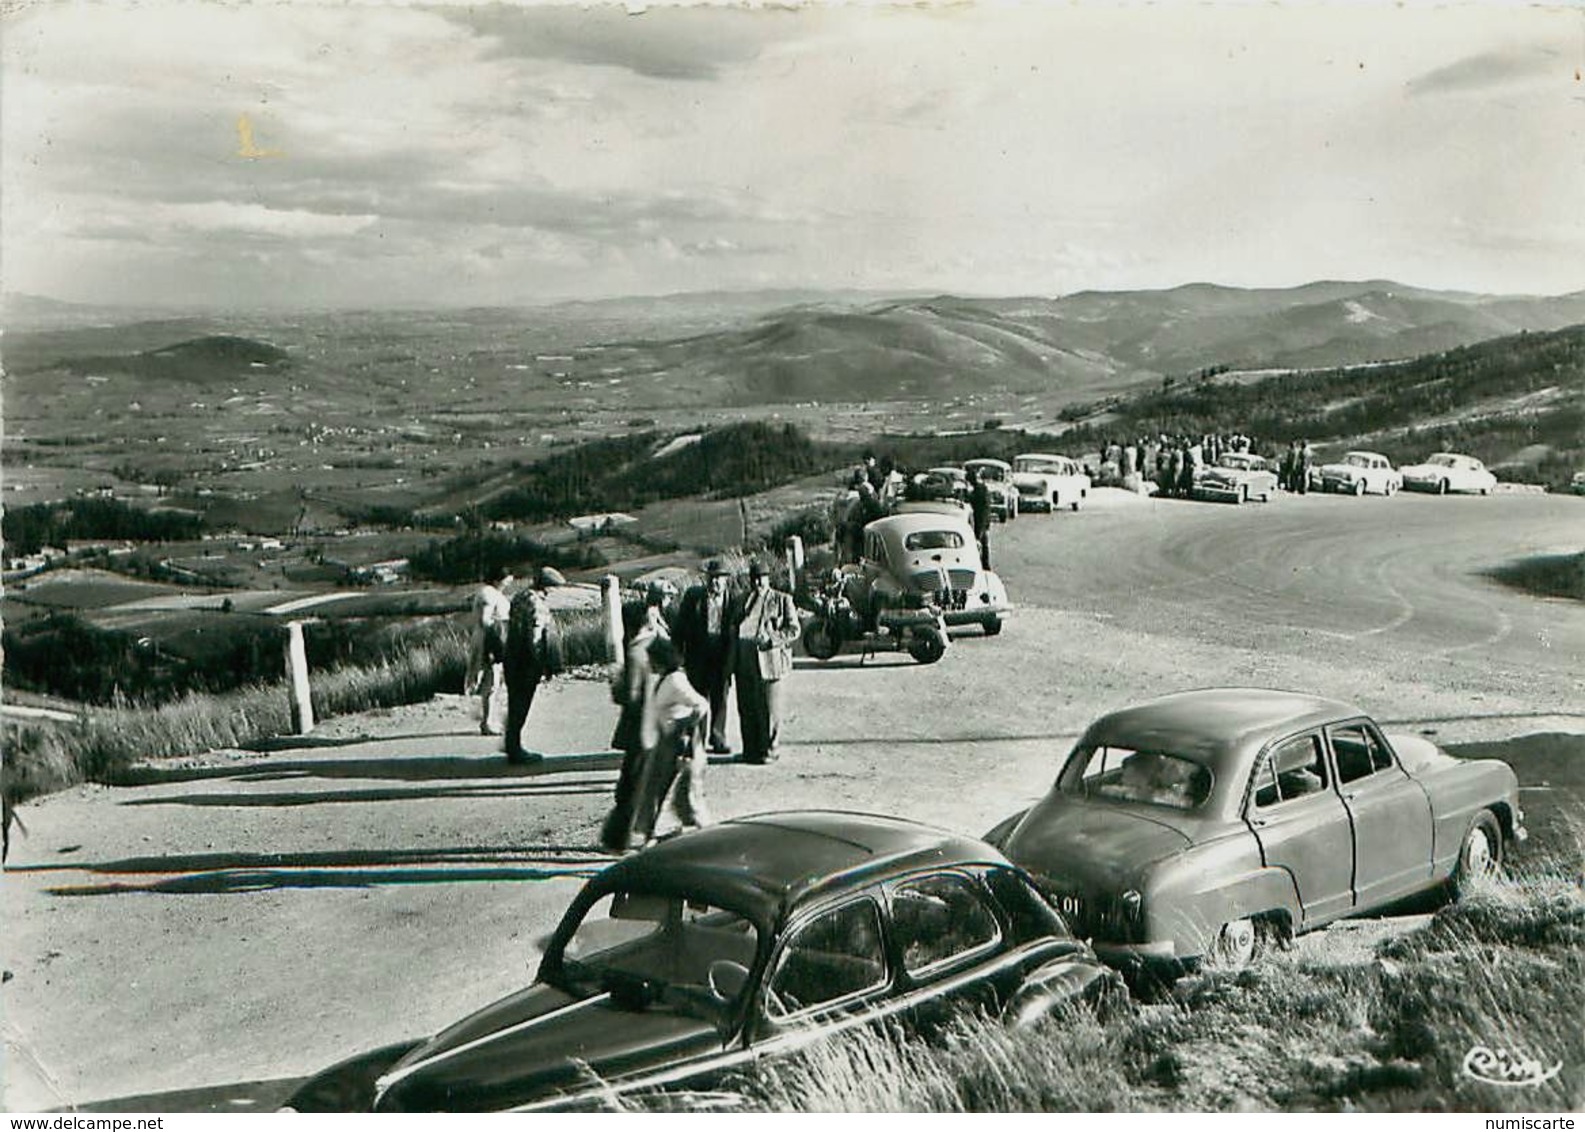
[
  {"x": 533, "y": 654},
  {"x": 764, "y": 626},
  {"x": 704, "y": 637}
]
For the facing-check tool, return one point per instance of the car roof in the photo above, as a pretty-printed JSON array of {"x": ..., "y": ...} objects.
[
  {"x": 764, "y": 865},
  {"x": 1362, "y": 452},
  {"x": 987, "y": 460},
  {"x": 906, "y": 522},
  {"x": 1040, "y": 456},
  {"x": 1221, "y": 728}
]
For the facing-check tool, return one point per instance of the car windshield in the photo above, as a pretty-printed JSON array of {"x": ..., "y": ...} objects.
[
  {"x": 1241, "y": 462},
  {"x": 934, "y": 540},
  {"x": 660, "y": 952},
  {"x": 1053, "y": 467},
  {"x": 1357, "y": 459},
  {"x": 991, "y": 472},
  {"x": 1442, "y": 461},
  {"x": 1123, "y": 774}
]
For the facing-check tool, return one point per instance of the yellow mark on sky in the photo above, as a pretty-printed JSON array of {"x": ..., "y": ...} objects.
[{"x": 245, "y": 144}]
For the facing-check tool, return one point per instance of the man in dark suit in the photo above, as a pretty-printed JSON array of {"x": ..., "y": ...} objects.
[
  {"x": 703, "y": 633},
  {"x": 764, "y": 626},
  {"x": 533, "y": 654}
]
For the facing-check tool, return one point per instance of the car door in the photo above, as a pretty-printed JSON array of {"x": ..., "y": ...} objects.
[
  {"x": 1389, "y": 813},
  {"x": 944, "y": 941},
  {"x": 830, "y": 972},
  {"x": 1303, "y": 827}
]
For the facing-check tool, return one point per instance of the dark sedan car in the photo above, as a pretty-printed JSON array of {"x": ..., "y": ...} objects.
[
  {"x": 1201, "y": 824},
  {"x": 743, "y": 940}
]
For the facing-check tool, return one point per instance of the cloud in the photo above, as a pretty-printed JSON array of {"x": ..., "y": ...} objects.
[
  {"x": 661, "y": 43},
  {"x": 1486, "y": 70}
]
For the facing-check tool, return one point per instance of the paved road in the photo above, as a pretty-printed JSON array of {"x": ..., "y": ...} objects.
[{"x": 232, "y": 922}]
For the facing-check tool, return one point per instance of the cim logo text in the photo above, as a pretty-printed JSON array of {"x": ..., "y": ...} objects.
[{"x": 1505, "y": 1067}]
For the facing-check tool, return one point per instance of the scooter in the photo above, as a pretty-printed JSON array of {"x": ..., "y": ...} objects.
[{"x": 839, "y": 623}]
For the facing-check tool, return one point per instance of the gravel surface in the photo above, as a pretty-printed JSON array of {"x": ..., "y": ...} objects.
[{"x": 240, "y": 919}]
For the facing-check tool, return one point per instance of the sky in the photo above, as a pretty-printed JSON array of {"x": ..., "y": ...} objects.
[{"x": 295, "y": 155}]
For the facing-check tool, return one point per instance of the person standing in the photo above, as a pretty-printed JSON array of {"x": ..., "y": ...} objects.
[
  {"x": 1306, "y": 462},
  {"x": 704, "y": 638},
  {"x": 487, "y": 650},
  {"x": 764, "y": 625},
  {"x": 980, "y": 508},
  {"x": 533, "y": 654},
  {"x": 675, "y": 717},
  {"x": 642, "y": 623}
]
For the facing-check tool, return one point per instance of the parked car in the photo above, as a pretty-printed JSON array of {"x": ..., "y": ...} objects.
[
  {"x": 1045, "y": 483},
  {"x": 928, "y": 550},
  {"x": 1205, "y": 824},
  {"x": 998, "y": 477},
  {"x": 1577, "y": 483},
  {"x": 755, "y": 937},
  {"x": 1238, "y": 476},
  {"x": 950, "y": 479},
  {"x": 1448, "y": 471},
  {"x": 1360, "y": 472}
]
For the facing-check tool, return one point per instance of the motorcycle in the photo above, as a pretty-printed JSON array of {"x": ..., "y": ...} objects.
[{"x": 844, "y": 617}]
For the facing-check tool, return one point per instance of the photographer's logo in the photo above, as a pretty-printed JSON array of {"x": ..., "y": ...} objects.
[{"x": 1506, "y": 1067}]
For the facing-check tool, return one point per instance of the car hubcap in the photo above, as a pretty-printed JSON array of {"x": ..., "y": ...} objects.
[
  {"x": 1237, "y": 943},
  {"x": 1479, "y": 860}
]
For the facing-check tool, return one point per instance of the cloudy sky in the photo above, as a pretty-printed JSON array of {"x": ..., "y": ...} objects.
[{"x": 300, "y": 154}]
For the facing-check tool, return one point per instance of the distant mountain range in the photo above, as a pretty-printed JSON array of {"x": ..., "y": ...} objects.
[{"x": 759, "y": 348}]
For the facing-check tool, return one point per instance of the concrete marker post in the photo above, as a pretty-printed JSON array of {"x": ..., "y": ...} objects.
[
  {"x": 611, "y": 598},
  {"x": 795, "y": 562},
  {"x": 297, "y": 679}
]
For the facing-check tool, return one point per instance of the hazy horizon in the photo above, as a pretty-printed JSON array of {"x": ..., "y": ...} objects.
[{"x": 310, "y": 156}]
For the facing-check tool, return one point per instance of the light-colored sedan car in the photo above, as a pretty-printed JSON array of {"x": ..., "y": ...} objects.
[
  {"x": 1047, "y": 482},
  {"x": 1237, "y": 476},
  {"x": 1448, "y": 471},
  {"x": 933, "y": 552},
  {"x": 998, "y": 477},
  {"x": 1204, "y": 824},
  {"x": 1360, "y": 472}
]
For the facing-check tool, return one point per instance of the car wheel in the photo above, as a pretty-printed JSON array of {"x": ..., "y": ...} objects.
[
  {"x": 1480, "y": 857},
  {"x": 927, "y": 648},
  {"x": 818, "y": 640},
  {"x": 1243, "y": 493},
  {"x": 993, "y": 626},
  {"x": 1236, "y": 946},
  {"x": 1359, "y": 487}
]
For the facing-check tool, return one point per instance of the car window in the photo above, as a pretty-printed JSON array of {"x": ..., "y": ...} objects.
[
  {"x": 834, "y": 956},
  {"x": 1122, "y": 774},
  {"x": 1293, "y": 769},
  {"x": 934, "y": 540},
  {"x": 1360, "y": 752},
  {"x": 1029, "y": 914},
  {"x": 939, "y": 918},
  {"x": 654, "y": 951}
]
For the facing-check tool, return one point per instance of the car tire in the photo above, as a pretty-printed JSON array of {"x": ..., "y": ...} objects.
[
  {"x": 1236, "y": 946},
  {"x": 927, "y": 648},
  {"x": 818, "y": 640},
  {"x": 1441, "y": 487},
  {"x": 1243, "y": 494},
  {"x": 1480, "y": 856},
  {"x": 993, "y": 626},
  {"x": 1359, "y": 487}
]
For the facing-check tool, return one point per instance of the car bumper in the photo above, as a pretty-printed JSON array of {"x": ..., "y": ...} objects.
[
  {"x": 976, "y": 614},
  {"x": 1155, "y": 954},
  {"x": 1430, "y": 484},
  {"x": 1218, "y": 490}
]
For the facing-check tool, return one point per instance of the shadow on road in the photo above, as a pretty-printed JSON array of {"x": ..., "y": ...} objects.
[
  {"x": 416, "y": 768},
  {"x": 220, "y": 873}
]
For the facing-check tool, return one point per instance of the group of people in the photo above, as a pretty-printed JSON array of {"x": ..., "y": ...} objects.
[
  {"x": 876, "y": 486},
  {"x": 1293, "y": 471},
  {"x": 516, "y": 646},
  {"x": 679, "y": 662},
  {"x": 677, "y": 671}
]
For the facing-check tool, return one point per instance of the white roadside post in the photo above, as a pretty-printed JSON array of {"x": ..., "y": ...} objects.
[
  {"x": 297, "y": 679},
  {"x": 795, "y": 562},
  {"x": 611, "y": 596}
]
